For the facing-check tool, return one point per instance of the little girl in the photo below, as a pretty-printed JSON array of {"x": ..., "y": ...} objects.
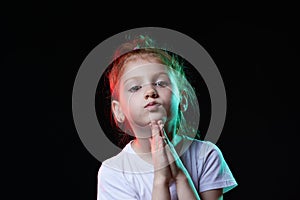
[{"x": 150, "y": 95}]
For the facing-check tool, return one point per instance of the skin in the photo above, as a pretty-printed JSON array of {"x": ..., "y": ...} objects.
[{"x": 140, "y": 84}]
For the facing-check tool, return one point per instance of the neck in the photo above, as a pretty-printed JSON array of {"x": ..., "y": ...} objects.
[
  {"x": 141, "y": 146},
  {"x": 142, "y": 134}
]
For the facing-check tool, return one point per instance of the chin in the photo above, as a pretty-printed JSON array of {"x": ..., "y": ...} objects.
[{"x": 157, "y": 117}]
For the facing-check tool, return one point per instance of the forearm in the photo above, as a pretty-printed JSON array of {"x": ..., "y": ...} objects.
[
  {"x": 160, "y": 189},
  {"x": 184, "y": 184},
  {"x": 184, "y": 189},
  {"x": 215, "y": 194}
]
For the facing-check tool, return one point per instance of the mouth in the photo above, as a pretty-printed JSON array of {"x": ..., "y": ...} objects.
[{"x": 152, "y": 104}]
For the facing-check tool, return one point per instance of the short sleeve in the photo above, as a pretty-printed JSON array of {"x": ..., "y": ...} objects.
[
  {"x": 112, "y": 186},
  {"x": 215, "y": 172}
]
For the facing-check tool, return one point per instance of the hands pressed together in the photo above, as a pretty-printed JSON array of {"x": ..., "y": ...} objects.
[{"x": 165, "y": 168}]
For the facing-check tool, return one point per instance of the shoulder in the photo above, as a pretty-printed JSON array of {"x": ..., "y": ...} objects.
[
  {"x": 112, "y": 169},
  {"x": 125, "y": 162},
  {"x": 202, "y": 148},
  {"x": 204, "y": 159},
  {"x": 112, "y": 181},
  {"x": 117, "y": 162}
]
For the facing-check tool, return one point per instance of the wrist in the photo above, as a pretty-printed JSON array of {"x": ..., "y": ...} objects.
[
  {"x": 180, "y": 176},
  {"x": 161, "y": 180}
]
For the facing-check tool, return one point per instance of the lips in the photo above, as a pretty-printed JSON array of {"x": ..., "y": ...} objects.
[{"x": 150, "y": 104}]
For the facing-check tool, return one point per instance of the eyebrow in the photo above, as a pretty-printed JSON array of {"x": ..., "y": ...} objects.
[
  {"x": 139, "y": 77},
  {"x": 132, "y": 78}
]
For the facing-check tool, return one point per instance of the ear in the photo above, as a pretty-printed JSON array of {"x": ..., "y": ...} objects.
[
  {"x": 183, "y": 105},
  {"x": 117, "y": 111}
]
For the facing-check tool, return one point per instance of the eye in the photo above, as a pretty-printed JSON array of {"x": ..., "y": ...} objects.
[
  {"x": 134, "y": 88},
  {"x": 162, "y": 83}
]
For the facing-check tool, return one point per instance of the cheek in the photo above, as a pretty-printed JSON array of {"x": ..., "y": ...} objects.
[
  {"x": 172, "y": 100},
  {"x": 167, "y": 93},
  {"x": 123, "y": 99},
  {"x": 168, "y": 97},
  {"x": 130, "y": 101}
]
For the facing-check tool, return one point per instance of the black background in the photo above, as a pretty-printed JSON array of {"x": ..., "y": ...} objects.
[{"x": 254, "y": 50}]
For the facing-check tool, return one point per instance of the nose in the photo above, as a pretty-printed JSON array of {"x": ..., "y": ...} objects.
[{"x": 151, "y": 93}]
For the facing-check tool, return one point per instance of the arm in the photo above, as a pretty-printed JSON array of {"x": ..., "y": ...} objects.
[
  {"x": 216, "y": 178},
  {"x": 111, "y": 185},
  {"x": 160, "y": 188},
  {"x": 216, "y": 194},
  {"x": 162, "y": 172},
  {"x": 161, "y": 191},
  {"x": 166, "y": 169},
  {"x": 184, "y": 183},
  {"x": 184, "y": 190}
]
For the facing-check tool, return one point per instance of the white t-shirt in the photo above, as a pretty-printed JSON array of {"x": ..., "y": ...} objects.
[{"x": 127, "y": 176}]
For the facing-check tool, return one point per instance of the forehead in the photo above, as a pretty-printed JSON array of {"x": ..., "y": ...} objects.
[{"x": 143, "y": 68}]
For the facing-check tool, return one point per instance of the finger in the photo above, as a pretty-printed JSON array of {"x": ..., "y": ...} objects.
[
  {"x": 169, "y": 154},
  {"x": 157, "y": 135},
  {"x": 159, "y": 156},
  {"x": 154, "y": 128},
  {"x": 172, "y": 160},
  {"x": 161, "y": 126}
]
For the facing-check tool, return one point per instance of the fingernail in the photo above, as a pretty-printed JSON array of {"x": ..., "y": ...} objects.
[{"x": 161, "y": 125}]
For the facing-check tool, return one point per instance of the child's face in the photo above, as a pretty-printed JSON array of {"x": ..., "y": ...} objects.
[{"x": 145, "y": 92}]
